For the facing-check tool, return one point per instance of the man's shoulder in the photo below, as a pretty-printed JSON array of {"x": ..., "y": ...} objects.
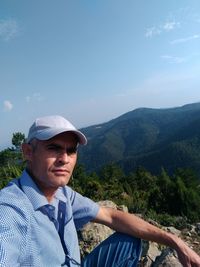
[
  {"x": 14, "y": 206},
  {"x": 12, "y": 194}
]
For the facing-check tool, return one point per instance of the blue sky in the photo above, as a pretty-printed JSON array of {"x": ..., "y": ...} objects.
[{"x": 92, "y": 61}]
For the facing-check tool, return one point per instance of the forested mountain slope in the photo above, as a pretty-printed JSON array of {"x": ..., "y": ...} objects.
[{"x": 153, "y": 138}]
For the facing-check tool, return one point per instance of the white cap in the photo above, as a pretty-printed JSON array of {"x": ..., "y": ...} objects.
[{"x": 47, "y": 127}]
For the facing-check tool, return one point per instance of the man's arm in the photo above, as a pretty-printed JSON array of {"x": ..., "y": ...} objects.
[{"x": 130, "y": 224}]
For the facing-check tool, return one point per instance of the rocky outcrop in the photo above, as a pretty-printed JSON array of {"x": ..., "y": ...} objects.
[
  {"x": 93, "y": 234},
  {"x": 153, "y": 255}
]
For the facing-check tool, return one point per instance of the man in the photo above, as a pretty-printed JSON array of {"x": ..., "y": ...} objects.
[{"x": 40, "y": 215}]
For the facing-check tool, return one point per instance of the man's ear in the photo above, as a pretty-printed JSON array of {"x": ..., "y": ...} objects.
[{"x": 27, "y": 151}]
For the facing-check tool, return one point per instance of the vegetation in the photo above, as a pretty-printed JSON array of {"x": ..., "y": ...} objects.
[
  {"x": 11, "y": 161},
  {"x": 168, "y": 198},
  {"x": 152, "y": 138}
]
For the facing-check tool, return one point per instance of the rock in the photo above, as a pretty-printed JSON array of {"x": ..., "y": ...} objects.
[
  {"x": 107, "y": 203},
  {"x": 172, "y": 230},
  {"x": 93, "y": 233},
  {"x": 150, "y": 250},
  {"x": 197, "y": 228},
  {"x": 168, "y": 258}
]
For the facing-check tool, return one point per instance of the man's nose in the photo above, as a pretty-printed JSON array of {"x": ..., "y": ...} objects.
[{"x": 63, "y": 157}]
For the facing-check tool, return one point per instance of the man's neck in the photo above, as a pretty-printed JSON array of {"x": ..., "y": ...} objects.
[{"x": 49, "y": 192}]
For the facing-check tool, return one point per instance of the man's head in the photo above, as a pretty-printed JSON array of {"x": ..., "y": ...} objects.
[{"x": 51, "y": 152}]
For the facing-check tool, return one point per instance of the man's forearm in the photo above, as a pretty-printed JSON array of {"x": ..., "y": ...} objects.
[{"x": 135, "y": 226}]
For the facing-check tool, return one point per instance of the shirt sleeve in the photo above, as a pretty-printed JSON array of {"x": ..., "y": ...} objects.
[
  {"x": 83, "y": 209},
  {"x": 13, "y": 229}
]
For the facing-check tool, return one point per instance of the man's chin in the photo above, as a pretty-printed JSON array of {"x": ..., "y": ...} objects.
[{"x": 63, "y": 182}]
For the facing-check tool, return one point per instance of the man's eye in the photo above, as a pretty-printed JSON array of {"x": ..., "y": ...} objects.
[
  {"x": 71, "y": 150},
  {"x": 53, "y": 148}
]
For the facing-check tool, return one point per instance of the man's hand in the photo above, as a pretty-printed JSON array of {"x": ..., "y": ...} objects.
[{"x": 187, "y": 256}]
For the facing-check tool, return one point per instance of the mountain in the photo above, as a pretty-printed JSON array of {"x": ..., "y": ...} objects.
[{"x": 152, "y": 138}]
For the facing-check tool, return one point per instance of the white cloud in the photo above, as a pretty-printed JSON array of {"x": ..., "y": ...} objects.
[
  {"x": 150, "y": 32},
  {"x": 184, "y": 40},
  {"x": 157, "y": 30},
  {"x": 173, "y": 59},
  {"x": 34, "y": 97},
  {"x": 9, "y": 29},
  {"x": 169, "y": 26},
  {"x": 8, "y": 106}
]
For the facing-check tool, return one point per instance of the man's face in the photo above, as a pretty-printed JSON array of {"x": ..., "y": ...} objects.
[{"x": 51, "y": 162}]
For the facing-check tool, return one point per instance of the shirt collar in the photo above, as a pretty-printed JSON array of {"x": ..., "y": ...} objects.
[{"x": 35, "y": 196}]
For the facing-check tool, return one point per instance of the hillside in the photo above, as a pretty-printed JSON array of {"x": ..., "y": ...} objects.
[{"x": 152, "y": 138}]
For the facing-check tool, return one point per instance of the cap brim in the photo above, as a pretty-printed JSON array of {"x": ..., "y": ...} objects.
[{"x": 50, "y": 133}]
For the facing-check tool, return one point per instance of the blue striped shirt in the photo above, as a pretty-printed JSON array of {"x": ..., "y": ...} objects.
[{"x": 28, "y": 225}]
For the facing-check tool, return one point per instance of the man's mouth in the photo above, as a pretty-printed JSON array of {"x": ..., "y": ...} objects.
[{"x": 61, "y": 171}]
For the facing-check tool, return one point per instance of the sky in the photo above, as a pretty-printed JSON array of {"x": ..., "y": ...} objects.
[{"x": 94, "y": 60}]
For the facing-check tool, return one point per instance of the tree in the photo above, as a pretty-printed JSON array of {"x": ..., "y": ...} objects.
[
  {"x": 17, "y": 139},
  {"x": 9, "y": 172},
  {"x": 161, "y": 197}
]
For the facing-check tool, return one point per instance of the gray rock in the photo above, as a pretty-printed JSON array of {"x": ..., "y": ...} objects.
[
  {"x": 168, "y": 258},
  {"x": 198, "y": 228},
  {"x": 150, "y": 251},
  {"x": 92, "y": 234},
  {"x": 172, "y": 230}
]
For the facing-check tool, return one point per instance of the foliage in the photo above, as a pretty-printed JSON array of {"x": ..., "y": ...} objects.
[
  {"x": 10, "y": 156},
  {"x": 8, "y": 172},
  {"x": 163, "y": 197},
  {"x": 166, "y": 197},
  {"x": 11, "y": 160},
  {"x": 166, "y": 219},
  {"x": 17, "y": 139}
]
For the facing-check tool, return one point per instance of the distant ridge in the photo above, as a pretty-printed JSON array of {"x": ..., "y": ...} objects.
[{"x": 148, "y": 137}]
